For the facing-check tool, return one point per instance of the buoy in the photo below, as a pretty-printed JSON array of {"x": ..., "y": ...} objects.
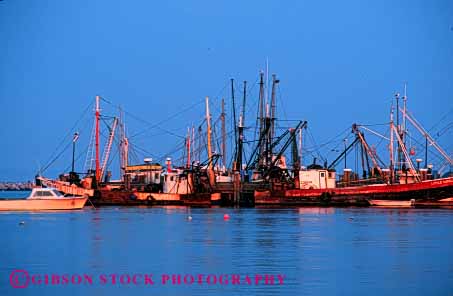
[
  {"x": 189, "y": 218},
  {"x": 226, "y": 217},
  {"x": 22, "y": 223}
]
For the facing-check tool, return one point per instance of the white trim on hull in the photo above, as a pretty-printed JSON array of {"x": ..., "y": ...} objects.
[{"x": 391, "y": 203}]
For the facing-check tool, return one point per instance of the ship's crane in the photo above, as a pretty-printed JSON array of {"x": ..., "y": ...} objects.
[
  {"x": 343, "y": 154},
  {"x": 373, "y": 156},
  {"x": 255, "y": 156},
  {"x": 291, "y": 138}
]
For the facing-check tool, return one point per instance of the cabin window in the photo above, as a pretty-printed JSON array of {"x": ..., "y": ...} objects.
[
  {"x": 156, "y": 176},
  {"x": 323, "y": 175},
  {"x": 43, "y": 193},
  {"x": 57, "y": 193},
  {"x": 330, "y": 175},
  {"x": 171, "y": 178}
]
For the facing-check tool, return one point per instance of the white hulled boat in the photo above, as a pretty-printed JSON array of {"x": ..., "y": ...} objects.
[{"x": 43, "y": 199}]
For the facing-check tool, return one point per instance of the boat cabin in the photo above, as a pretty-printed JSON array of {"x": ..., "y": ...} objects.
[
  {"x": 316, "y": 179},
  {"x": 176, "y": 181},
  {"x": 45, "y": 193},
  {"x": 144, "y": 174}
]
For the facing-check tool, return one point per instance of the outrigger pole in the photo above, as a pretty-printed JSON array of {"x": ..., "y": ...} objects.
[
  {"x": 428, "y": 137},
  {"x": 98, "y": 166}
]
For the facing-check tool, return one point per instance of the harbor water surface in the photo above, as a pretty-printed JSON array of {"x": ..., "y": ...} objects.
[{"x": 320, "y": 251}]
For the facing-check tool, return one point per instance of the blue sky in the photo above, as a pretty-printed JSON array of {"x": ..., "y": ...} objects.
[{"x": 339, "y": 62}]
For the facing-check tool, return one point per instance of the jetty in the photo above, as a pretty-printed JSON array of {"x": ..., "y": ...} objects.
[{"x": 16, "y": 186}]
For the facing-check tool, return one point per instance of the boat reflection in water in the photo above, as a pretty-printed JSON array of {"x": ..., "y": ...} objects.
[{"x": 316, "y": 211}]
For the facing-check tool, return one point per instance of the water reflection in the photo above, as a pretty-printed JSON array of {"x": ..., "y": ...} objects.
[
  {"x": 319, "y": 250},
  {"x": 316, "y": 211}
]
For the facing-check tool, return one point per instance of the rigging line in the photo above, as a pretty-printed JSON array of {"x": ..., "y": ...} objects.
[
  {"x": 375, "y": 133},
  {"x": 314, "y": 142},
  {"x": 444, "y": 130},
  {"x": 144, "y": 151},
  {"x": 421, "y": 136},
  {"x": 431, "y": 153},
  {"x": 339, "y": 141},
  {"x": 251, "y": 103},
  {"x": 76, "y": 159},
  {"x": 70, "y": 131},
  {"x": 157, "y": 125},
  {"x": 133, "y": 154},
  {"x": 382, "y": 139},
  {"x": 340, "y": 135},
  {"x": 176, "y": 149},
  {"x": 374, "y": 124},
  {"x": 67, "y": 146},
  {"x": 64, "y": 150},
  {"x": 443, "y": 117},
  {"x": 280, "y": 100},
  {"x": 288, "y": 120},
  {"x": 219, "y": 94}
]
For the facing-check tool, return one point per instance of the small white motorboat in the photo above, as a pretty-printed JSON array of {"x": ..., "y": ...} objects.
[
  {"x": 392, "y": 203},
  {"x": 43, "y": 199}
]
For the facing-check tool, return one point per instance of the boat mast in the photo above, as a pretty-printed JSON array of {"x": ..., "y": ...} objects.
[
  {"x": 275, "y": 81},
  {"x": 188, "y": 141},
  {"x": 238, "y": 160},
  {"x": 208, "y": 121},
  {"x": 391, "y": 145},
  {"x": 243, "y": 103},
  {"x": 98, "y": 167},
  {"x": 123, "y": 145},
  {"x": 398, "y": 128},
  {"x": 193, "y": 143},
  {"x": 234, "y": 118},
  {"x": 300, "y": 146},
  {"x": 222, "y": 119},
  {"x": 261, "y": 116},
  {"x": 403, "y": 134},
  {"x": 200, "y": 139},
  {"x": 426, "y": 152}
]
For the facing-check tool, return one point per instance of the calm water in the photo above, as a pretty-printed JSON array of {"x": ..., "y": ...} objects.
[{"x": 320, "y": 251}]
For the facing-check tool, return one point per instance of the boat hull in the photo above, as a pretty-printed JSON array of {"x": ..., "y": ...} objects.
[
  {"x": 432, "y": 191},
  {"x": 391, "y": 203},
  {"x": 42, "y": 204}
]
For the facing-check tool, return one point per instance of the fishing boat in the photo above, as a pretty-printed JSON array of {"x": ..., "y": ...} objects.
[
  {"x": 266, "y": 167},
  {"x": 147, "y": 183},
  {"x": 43, "y": 199},
  {"x": 401, "y": 182}
]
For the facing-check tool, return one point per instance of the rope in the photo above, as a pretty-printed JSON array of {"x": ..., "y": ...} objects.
[{"x": 51, "y": 159}]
